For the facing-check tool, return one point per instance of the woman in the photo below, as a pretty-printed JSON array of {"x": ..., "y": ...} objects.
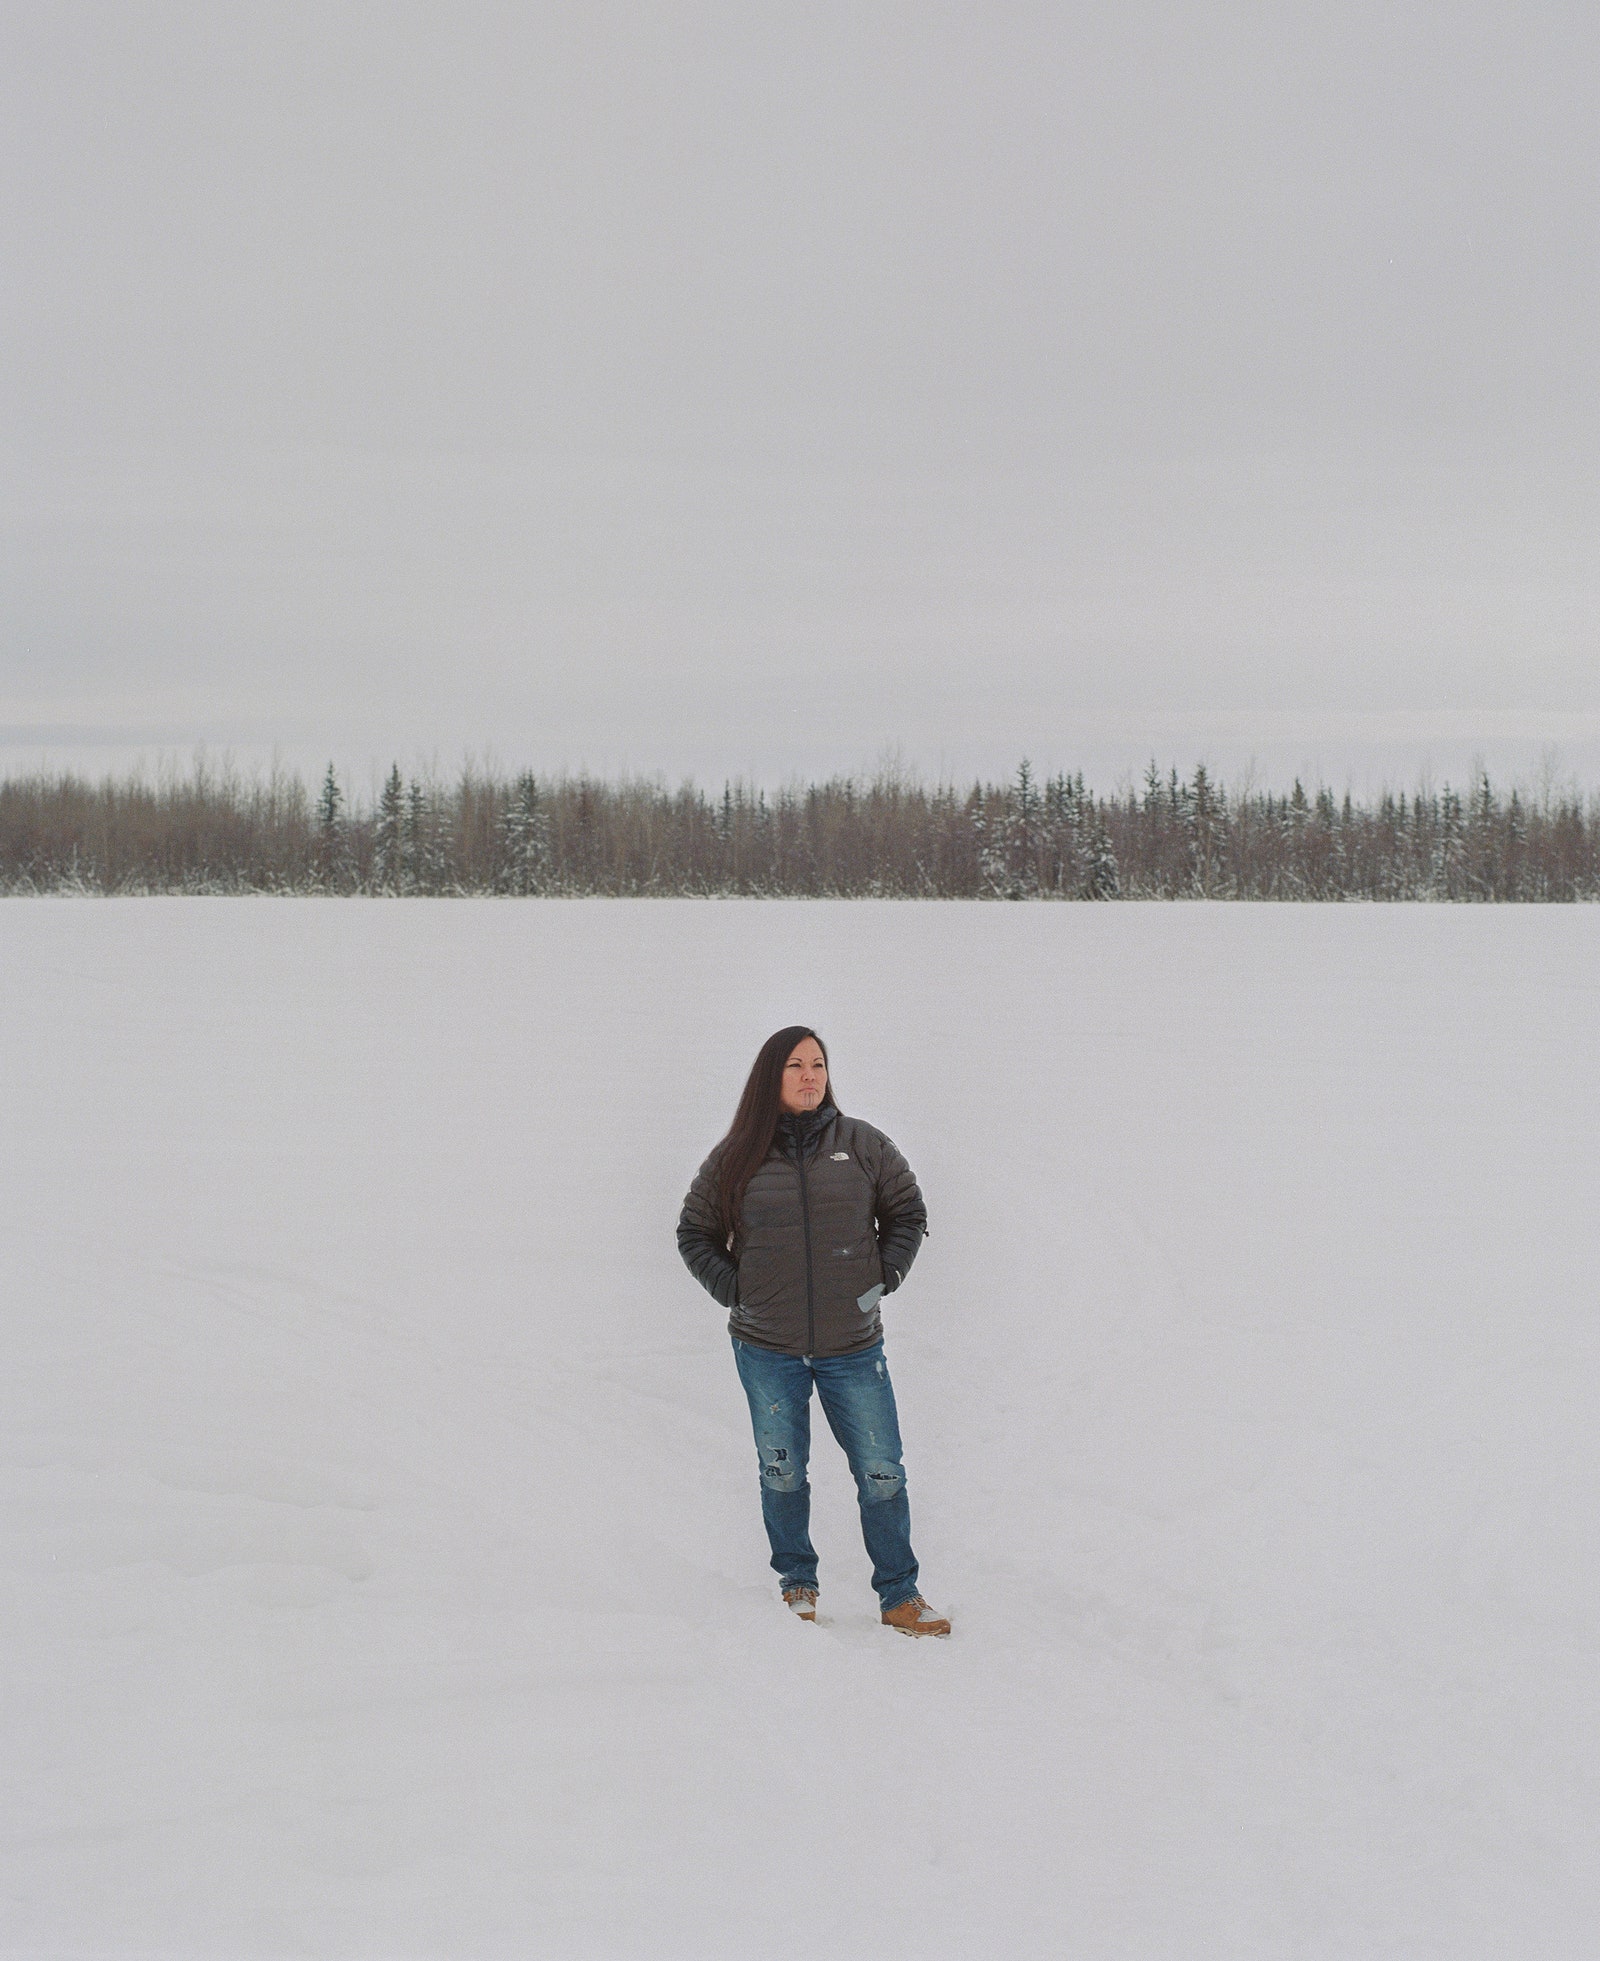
[{"x": 799, "y": 1222}]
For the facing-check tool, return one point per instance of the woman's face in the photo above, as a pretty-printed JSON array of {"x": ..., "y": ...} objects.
[{"x": 805, "y": 1077}]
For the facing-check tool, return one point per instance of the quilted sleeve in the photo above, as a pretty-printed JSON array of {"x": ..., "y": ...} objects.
[
  {"x": 702, "y": 1242},
  {"x": 902, "y": 1215}
]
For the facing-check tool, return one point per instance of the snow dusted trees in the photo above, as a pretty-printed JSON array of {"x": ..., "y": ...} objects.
[
  {"x": 524, "y": 839},
  {"x": 1101, "y": 880},
  {"x": 889, "y": 835},
  {"x": 1036, "y": 844},
  {"x": 333, "y": 838},
  {"x": 427, "y": 858},
  {"x": 388, "y": 835}
]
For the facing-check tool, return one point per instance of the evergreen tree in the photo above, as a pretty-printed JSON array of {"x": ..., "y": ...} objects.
[
  {"x": 1513, "y": 882},
  {"x": 525, "y": 839},
  {"x": 1102, "y": 880},
  {"x": 1020, "y": 827},
  {"x": 388, "y": 838},
  {"x": 329, "y": 804},
  {"x": 989, "y": 833},
  {"x": 1450, "y": 847},
  {"x": 426, "y": 863},
  {"x": 1063, "y": 808},
  {"x": 332, "y": 847},
  {"x": 1207, "y": 827}
]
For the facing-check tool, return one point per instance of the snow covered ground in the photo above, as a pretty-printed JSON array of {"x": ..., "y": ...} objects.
[{"x": 381, "y": 1572}]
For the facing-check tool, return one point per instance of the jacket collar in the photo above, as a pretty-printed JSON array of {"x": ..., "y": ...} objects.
[{"x": 799, "y": 1133}]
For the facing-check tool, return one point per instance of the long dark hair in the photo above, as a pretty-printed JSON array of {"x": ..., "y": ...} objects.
[{"x": 755, "y": 1122}]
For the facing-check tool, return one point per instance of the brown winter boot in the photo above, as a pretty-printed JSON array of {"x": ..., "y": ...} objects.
[
  {"x": 915, "y": 1616},
  {"x": 801, "y": 1601}
]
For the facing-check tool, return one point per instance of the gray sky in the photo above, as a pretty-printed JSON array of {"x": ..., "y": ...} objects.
[{"x": 762, "y": 388}]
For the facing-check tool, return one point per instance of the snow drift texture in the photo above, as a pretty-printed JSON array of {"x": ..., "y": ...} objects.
[{"x": 382, "y": 1568}]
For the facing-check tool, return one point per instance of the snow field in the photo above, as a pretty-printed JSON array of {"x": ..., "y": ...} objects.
[{"x": 381, "y": 1570}]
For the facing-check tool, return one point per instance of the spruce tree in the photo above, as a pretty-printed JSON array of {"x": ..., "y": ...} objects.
[
  {"x": 1062, "y": 804},
  {"x": 424, "y": 864},
  {"x": 332, "y": 852},
  {"x": 388, "y": 841},
  {"x": 989, "y": 833},
  {"x": 1102, "y": 880},
  {"x": 1020, "y": 832},
  {"x": 524, "y": 839},
  {"x": 1207, "y": 824}
]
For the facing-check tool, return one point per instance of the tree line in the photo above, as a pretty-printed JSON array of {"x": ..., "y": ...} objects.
[{"x": 890, "y": 836}]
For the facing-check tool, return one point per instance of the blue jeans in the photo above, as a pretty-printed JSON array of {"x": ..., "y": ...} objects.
[{"x": 858, "y": 1401}]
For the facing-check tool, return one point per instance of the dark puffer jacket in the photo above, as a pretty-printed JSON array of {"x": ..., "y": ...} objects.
[{"x": 831, "y": 1215}]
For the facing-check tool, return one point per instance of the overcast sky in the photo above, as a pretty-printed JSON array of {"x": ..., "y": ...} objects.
[{"x": 763, "y": 388}]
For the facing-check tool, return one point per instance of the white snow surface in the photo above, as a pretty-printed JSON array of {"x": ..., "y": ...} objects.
[{"x": 381, "y": 1564}]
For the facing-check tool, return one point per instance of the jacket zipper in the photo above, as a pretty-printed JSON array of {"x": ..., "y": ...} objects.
[{"x": 805, "y": 1221}]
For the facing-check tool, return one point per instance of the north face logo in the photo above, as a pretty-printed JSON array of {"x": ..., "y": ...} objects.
[{"x": 840, "y": 1156}]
